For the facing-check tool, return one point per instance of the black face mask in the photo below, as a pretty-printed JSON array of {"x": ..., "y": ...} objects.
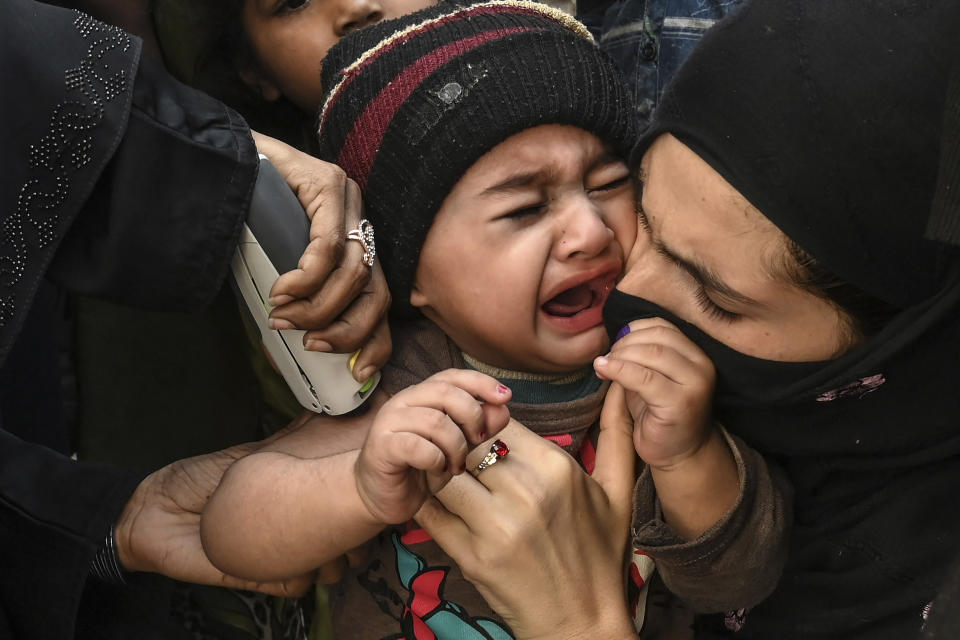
[{"x": 741, "y": 379}]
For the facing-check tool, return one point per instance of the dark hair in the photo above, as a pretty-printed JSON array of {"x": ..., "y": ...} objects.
[
  {"x": 867, "y": 314},
  {"x": 204, "y": 45}
]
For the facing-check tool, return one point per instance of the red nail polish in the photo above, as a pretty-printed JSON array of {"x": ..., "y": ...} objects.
[{"x": 502, "y": 389}]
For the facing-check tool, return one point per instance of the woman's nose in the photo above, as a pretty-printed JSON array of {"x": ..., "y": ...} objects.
[{"x": 357, "y": 14}]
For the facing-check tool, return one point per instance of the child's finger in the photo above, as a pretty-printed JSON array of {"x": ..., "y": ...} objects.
[
  {"x": 649, "y": 385},
  {"x": 660, "y": 358},
  {"x": 479, "y": 385},
  {"x": 418, "y": 452},
  {"x": 459, "y": 393},
  {"x": 432, "y": 426},
  {"x": 659, "y": 331}
]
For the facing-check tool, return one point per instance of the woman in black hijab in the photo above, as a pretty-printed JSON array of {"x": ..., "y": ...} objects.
[{"x": 787, "y": 181}]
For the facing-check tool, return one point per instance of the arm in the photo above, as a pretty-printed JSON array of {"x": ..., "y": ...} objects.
[
  {"x": 285, "y": 511},
  {"x": 707, "y": 509},
  {"x": 115, "y": 223},
  {"x": 737, "y": 561}
]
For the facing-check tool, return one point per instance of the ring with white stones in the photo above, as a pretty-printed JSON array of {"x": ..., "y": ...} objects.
[
  {"x": 497, "y": 450},
  {"x": 364, "y": 235}
]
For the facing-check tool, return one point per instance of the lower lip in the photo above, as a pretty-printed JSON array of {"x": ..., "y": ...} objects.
[{"x": 582, "y": 321}]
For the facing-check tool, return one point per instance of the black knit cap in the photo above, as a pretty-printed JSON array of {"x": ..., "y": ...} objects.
[
  {"x": 410, "y": 104},
  {"x": 826, "y": 116}
]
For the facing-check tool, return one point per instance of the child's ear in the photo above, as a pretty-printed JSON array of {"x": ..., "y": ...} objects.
[{"x": 260, "y": 83}]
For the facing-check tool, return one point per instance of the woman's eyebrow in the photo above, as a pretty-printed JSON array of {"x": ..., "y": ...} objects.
[{"x": 706, "y": 276}]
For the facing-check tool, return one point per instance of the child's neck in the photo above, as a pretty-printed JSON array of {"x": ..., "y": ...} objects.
[{"x": 540, "y": 388}]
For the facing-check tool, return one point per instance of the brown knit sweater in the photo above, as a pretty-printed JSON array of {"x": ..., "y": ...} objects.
[{"x": 408, "y": 588}]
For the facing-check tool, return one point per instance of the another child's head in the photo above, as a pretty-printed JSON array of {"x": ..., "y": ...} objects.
[
  {"x": 488, "y": 142},
  {"x": 263, "y": 56}
]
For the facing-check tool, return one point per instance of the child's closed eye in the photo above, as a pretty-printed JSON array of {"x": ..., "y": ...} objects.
[
  {"x": 289, "y": 6},
  {"x": 526, "y": 212},
  {"x": 611, "y": 185}
]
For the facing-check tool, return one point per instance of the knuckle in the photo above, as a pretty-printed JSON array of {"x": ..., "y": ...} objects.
[
  {"x": 334, "y": 175},
  {"x": 657, "y": 350}
]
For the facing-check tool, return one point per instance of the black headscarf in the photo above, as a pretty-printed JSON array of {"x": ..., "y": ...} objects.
[{"x": 826, "y": 116}]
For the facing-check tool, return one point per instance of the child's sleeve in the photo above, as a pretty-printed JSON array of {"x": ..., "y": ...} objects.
[{"x": 737, "y": 562}]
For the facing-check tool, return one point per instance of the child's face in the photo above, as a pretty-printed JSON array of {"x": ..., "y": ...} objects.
[
  {"x": 291, "y": 37},
  {"x": 525, "y": 248}
]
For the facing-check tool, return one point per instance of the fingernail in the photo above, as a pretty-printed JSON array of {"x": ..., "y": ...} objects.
[
  {"x": 280, "y": 323},
  {"x": 601, "y": 361},
  {"x": 318, "y": 345},
  {"x": 502, "y": 389},
  {"x": 366, "y": 373},
  {"x": 624, "y": 331},
  {"x": 276, "y": 301}
]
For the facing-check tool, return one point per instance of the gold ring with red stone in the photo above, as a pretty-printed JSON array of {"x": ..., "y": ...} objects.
[{"x": 498, "y": 450}]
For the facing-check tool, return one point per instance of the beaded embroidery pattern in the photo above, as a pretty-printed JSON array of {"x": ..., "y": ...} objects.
[{"x": 63, "y": 151}]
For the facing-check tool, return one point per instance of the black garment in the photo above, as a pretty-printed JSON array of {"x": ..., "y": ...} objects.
[
  {"x": 826, "y": 116},
  {"x": 782, "y": 100},
  {"x": 118, "y": 183}
]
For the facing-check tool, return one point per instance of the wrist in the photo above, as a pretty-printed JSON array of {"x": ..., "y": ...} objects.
[
  {"x": 699, "y": 491},
  {"x": 106, "y": 565},
  {"x": 706, "y": 447},
  {"x": 367, "y": 508}
]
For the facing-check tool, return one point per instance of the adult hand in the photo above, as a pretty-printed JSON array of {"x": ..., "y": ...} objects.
[
  {"x": 542, "y": 541},
  {"x": 159, "y": 529},
  {"x": 339, "y": 300}
]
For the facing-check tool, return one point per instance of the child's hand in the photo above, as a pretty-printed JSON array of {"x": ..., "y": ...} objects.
[
  {"x": 668, "y": 383},
  {"x": 420, "y": 439}
]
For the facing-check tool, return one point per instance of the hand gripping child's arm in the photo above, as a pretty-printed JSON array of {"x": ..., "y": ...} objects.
[
  {"x": 707, "y": 505},
  {"x": 289, "y": 508}
]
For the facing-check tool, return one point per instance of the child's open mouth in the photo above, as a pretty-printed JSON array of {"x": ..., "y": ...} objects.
[
  {"x": 580, "y": 307},
  {"x": 572, "y": 301}
]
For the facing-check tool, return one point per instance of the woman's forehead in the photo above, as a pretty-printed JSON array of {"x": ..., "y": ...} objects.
[{"x": 695, "y": 213}]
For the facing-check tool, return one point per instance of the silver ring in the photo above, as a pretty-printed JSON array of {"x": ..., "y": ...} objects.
[
  {"x": 364, "y": 235},
  {"x": 498, "y": 450}
]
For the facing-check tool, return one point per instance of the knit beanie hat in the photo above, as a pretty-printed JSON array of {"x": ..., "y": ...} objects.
[
  {"x": 826, "y": 115},
  {"x": 411, "y": 104}
]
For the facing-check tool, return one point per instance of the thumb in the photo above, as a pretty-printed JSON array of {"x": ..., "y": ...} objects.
[{"x": 614, "y": 469}]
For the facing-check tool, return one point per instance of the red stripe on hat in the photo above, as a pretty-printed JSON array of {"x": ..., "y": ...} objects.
[
  {"x": 363, "y": 142},
  {"x": 497, "y": 9}
]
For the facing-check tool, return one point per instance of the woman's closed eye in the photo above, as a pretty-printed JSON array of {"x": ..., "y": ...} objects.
[{"x": 711, "y": 308}]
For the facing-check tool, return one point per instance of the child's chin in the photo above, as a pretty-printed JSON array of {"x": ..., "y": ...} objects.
[{"x": 586, "y": 349}]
